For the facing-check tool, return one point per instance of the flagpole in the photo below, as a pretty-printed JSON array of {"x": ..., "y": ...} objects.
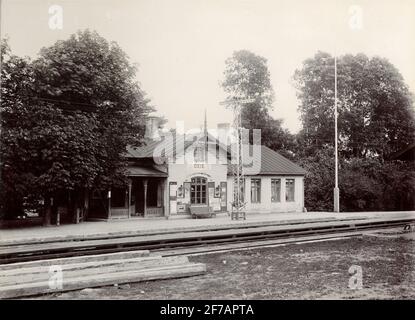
[{"x": 336, "y": 160}]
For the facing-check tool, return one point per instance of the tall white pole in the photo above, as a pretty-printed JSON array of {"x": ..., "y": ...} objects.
[
  {"x": 336, "y": 160},
  {"x": 1, "y": 3},
  {"x": 239, "y": 169}
]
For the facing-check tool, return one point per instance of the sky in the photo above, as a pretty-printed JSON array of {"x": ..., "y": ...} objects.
[{"x": 181, "y": 46}]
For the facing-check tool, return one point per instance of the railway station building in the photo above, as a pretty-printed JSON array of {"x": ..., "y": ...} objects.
[{"x": 171, "y": 173}]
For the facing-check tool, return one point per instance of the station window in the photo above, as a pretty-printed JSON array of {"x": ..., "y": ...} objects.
[
  {"x": 275, "y": 190},
  {"x": 255, "y": 190},
  {"x": 290, "y": 189},
  {"x": 198, "y": 191}
]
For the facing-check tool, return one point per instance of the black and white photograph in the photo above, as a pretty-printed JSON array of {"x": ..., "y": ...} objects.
[{"x": 214, "y": 151}]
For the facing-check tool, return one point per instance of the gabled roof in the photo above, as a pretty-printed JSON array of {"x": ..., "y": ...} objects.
[
  {"x": 147, "y": 150},
  {"x": 144, "y": 151},
  {"x": 272, "y": 163}
]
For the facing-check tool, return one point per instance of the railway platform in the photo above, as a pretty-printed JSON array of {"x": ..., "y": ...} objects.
[{"x": 140, "y": 226}]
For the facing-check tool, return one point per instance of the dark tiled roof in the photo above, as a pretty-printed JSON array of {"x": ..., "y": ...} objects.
[
  {"x": 272, "y": 163},
  {"x": 144, "y": 151},
  {"x": 145, "y": 172},
  {"x": 165, "y": 144}
]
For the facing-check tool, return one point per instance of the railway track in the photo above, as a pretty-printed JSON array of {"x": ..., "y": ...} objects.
[
  {"x": 298, "y": 236},
  {"x": 201, "y": 241}
]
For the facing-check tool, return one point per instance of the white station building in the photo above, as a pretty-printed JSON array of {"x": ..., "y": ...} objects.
[{"x": 171, "y": 173}]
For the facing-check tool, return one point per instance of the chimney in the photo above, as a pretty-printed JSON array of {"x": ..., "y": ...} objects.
[
  {"x": 223, "y": 133},
  {"x": 152, "y": 128}
]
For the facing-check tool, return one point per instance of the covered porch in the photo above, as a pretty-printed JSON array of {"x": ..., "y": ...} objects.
[{"x": 144, "y": 196}]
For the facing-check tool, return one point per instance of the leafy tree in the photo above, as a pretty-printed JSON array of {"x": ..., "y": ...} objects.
[
  {"x": 398, "y": 182},
  {"x": 360, "y": 188},
  {"x": 88, "y": 73},
  {"x": 366, "y": 184},
  {"x": 246, "y": 76},
  {"x": 67, "y": 118},
  {"x": 376, "y": 118},
  {"x": 318, "y": 181},
  {"x": 376, "y": 115},
  {"x": 278, "y": 138}
]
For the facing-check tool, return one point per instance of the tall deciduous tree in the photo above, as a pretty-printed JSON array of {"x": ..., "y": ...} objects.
[
  {"x": 376, "y": 114},
  {"x": 88, "y": 73},
  {"x": 67, "y": 117},
  {"x": 246, "y": 76}
]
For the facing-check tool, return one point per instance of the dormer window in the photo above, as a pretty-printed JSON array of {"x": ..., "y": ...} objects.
[{"x": 199, "y": 154}]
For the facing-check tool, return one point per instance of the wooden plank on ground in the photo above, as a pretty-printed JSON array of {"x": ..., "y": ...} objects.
[
  {"x": 38, "y": 274},
  {"x": 78, "y": 259},
  {"x": 99, "y": 280}
]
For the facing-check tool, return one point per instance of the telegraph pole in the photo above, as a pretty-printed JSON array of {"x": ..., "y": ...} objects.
[
  {"x": 336, "y": 160},
  {"x": 236, "y": 105}
]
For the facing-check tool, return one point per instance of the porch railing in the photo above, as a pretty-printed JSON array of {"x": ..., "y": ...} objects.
[{"x": 154, "y": 211}]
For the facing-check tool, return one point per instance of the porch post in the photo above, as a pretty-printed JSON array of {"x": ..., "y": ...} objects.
[
  {"x": 130, "y": 182},
  {"x": 145, "y": 196},
  {"x": 163, "y": 197}
]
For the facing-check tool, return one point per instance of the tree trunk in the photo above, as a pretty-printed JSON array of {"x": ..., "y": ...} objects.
[
  {"x": 48, "y": 212},
  {"x": 86, "y": 203},
  {"x": 72, "y": 205},
  {"x": 77, "y": 201}
]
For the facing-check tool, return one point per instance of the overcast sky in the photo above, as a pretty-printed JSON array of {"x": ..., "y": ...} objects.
[{"x": 181, "y": 45}]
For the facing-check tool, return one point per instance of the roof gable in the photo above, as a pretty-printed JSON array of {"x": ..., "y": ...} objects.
[
  {"x": 272, "y": 163},
  {"x": 166, "y": 145}
]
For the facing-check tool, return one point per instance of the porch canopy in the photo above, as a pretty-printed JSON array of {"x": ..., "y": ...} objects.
[
  {"x": 145, "y": 172},
  {"x": 146, "y": 189}
]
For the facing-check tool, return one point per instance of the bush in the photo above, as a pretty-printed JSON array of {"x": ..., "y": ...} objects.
[
  {"x": 365, "y": 184},
  {"x": 360, "y": 190},
  {"x": 398, "y": 180},
  {"x": 318, "y": 181}
]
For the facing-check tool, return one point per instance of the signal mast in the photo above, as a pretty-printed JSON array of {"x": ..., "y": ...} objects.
[{"x": 237, "y": 168}]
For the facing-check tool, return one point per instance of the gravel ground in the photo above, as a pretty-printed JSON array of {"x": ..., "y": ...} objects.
[{"x": 318, "y": 270}]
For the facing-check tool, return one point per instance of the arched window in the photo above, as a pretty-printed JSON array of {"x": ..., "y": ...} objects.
[{"x": 198, "y": 190}]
